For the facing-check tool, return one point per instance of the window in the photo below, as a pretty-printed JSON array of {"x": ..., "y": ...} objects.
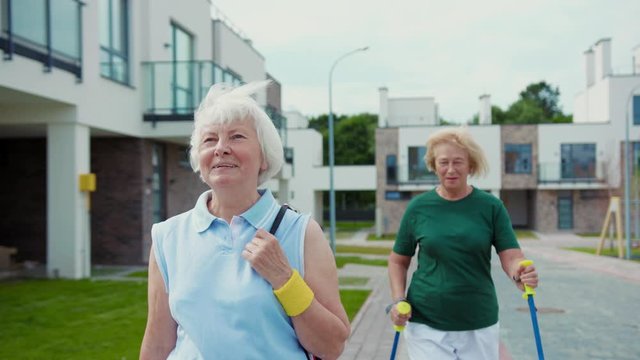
[
  {"x": 565, "y": 211},
  {"x": 417, "y": 166},
  {"x": 158, "y": 180},
  {"x": 392, "y": 169},
  {"x": 517, "y": 158},
  {"x": 114, "y": 40},
  {"x": 397, "y": 195},
  {"x": 183, "y": 74},
  {"x": 636, "y": 110},
  {"x": 578, "y": 161}
]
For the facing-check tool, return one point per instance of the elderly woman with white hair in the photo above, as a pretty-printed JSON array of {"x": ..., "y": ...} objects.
[
  {"x": 454, "y": 311},
  {"x": 221, "y": 286}
]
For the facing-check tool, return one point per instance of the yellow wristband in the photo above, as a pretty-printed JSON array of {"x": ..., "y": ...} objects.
[{"x": 295, "y": 295}]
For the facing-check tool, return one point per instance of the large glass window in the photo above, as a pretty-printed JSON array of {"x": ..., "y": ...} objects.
[
  {"x": 517, "y": 158},
  {"x": 158, "y": 188},
  {"x": 183, "y": 84},
  {"x": 417, "y": 166},
  {"x": 578, "y": 161},
  {"x": 114, "y": 40},
  {"x": 636, "y": 110},
  {"x": 392, "y": 169},
  {"x": 65, "y": 30}
]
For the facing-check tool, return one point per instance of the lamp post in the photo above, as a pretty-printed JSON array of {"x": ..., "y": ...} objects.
[
  {"x": 332, "y": 193},
  {"x": 627, "y": 174}
]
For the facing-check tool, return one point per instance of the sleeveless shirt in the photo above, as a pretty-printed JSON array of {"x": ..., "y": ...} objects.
[{"x": 224, "y": 309}]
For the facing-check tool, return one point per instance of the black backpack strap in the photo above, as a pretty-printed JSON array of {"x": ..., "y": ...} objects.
[
  {"x": 274, "y": 228},
  {"x": 278, "y": 220}
]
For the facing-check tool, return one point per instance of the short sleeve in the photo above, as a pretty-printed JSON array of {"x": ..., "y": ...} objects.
[
  {"x": 503, "y": 235},
  {"x": 405, "y": 239},
  {"x": 158, "y": 252}
]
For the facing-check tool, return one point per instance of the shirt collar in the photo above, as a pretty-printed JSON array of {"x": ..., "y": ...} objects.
[
  {"x": 261, "y": 212},
  {"x": 202, "y": 218},
  {"x": 257, "y": 215}
]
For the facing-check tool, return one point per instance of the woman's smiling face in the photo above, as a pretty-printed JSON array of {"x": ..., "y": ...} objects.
[{"x": 230, "y": 155}]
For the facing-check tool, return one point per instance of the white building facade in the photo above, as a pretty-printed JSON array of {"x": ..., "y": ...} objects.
[
  {"x": 551, "y": 177},
  {"x": 105, "y": 87}
]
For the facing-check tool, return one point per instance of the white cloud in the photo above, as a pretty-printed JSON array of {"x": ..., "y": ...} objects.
[{"x": 453, "y": 50}]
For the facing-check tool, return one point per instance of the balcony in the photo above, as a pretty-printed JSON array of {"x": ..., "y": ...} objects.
[
  {"x": 46, "y": 31},
  {"x": 174, "y": 89},
  {"x": 585, "y": 174},
  {"x": 411, "y": 175}
]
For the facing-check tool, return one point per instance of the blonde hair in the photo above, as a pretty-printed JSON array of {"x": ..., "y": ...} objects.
[
  {"x": 226, "y": 104},
  {"x": 461, "y": 138}
]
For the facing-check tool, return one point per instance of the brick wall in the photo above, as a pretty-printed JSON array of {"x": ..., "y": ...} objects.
[
  {"x": 183, "y": 185},
  {"x": 117, "y": 205},
  {"x": 392, "y": 210},
  {"x": 520, "y": 134},
  {"x": 23, "y": 197}
]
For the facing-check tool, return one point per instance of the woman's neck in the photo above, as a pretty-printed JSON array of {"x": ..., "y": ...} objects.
[
  {"x": 454, "y": 195},
  {"x": 226, "y": 205}
]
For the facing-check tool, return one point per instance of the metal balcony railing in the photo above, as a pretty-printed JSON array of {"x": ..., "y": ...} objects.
[
  {"x": 48, "y": 31},
  {"x": 411, "y": 175},
  {"x": 568, "y": 172},
  {"x": 174, "y": 89}
]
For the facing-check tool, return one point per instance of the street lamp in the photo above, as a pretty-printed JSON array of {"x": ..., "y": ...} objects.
[
  {"x": 332, "y": 193},
  {"x": 627, "y": 174}
]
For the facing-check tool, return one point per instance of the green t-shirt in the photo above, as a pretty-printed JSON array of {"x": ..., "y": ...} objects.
[{"x": 452, "y": 289}]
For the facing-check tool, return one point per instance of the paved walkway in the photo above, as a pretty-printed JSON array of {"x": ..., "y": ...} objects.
[{"x": 588, "y": 306}]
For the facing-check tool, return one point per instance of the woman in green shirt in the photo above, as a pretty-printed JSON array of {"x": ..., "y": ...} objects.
[{"x": 454, "y": 304}]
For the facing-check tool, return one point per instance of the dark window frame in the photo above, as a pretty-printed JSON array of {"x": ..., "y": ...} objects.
[
  {"x": 110, "y": 50},
  {"x": 522, "y": 164}
]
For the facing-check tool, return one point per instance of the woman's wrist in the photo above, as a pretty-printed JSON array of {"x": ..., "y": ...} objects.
[{"x": 394, "y": 303}]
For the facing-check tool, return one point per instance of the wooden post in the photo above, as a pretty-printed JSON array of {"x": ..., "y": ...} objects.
[{"x": 614, "y": 208}]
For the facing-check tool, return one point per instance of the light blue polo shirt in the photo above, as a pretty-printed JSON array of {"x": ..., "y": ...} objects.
[{"x": 224, "y": 309}]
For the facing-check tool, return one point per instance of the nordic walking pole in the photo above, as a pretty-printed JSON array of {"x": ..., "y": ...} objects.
[
  {"x": 403, "y": 308},
  {"x": 528, "y": 295}
]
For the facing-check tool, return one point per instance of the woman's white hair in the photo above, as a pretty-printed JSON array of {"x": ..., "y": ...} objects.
[{"x": 225, "y": 104}]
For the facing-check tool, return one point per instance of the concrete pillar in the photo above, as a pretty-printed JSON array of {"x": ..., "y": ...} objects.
[
  {"x": 589, "y": 67},
  {"x": 68, "y": 229},
  {"x": 485, "y": 110},
  {"x": 602, "y": 59},
  {"x": 636, "y": 60},
  {"x": 283, "y": 191},
  {"x": 378, "y": 222},
  {"x": 383, "y": 115}
]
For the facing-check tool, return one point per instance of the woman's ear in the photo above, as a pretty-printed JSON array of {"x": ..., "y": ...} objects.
[{"x": 263, "y": 165}]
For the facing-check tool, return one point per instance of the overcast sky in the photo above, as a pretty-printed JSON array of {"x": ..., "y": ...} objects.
[{"x": 452, "y": 50}]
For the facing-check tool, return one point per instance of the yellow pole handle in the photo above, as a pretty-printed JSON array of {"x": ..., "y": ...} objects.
[
  {"x": 527, "y": 289},
  {"x": 403, "y": 308}
]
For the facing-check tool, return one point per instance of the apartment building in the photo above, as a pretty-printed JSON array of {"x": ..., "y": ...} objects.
[
  {"x": 107, "y": 87},
  {"x": 551, "y": 177}
]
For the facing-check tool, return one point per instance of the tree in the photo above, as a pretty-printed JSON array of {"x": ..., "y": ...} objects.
[
  {"x": 354, "y": 138},
  {"x": 538, "y": 103},
  {"x": 545, "y": 96},
  {"x": 525, "y": 111}
]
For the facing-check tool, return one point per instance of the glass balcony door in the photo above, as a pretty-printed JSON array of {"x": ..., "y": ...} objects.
[
  {"x": 578, "y": 161},
  {"x": 182, "y": 70}
]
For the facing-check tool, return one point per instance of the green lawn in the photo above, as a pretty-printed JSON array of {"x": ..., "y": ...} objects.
[
  {"x": 65, "y": 319},
  {"x": 85, "y": 319},
  {"x": 353, "y": 280},
  {"x": 525, "y": 234},
  {"x": 635, "y": 253},
  {"x": 353, "y": 300},
  {"x": 373, "y": 237},
  {"x": 342, "y": 260},
  {"x": 374, "y": 250}
]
